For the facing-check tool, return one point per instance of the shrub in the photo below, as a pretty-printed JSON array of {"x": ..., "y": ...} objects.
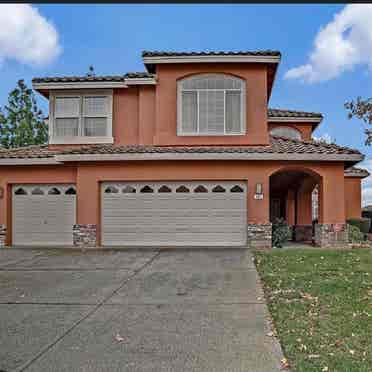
[
  {"x": 354, "y": 233},
  {"x": 363, "y": 224},
  {"x": 281, "y": 233}
]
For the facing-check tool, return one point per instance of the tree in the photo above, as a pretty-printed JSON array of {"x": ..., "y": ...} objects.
[
  {"x": 21, "y": 121},
  {"x": 361, "y": 109}
]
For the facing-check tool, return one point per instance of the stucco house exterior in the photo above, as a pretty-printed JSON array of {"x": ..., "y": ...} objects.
[{"x": 187, "y": 153}]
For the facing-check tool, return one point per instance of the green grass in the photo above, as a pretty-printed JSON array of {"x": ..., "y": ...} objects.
[{"x": 321, "y": 304}]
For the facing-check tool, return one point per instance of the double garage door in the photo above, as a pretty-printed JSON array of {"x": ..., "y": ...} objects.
[
  {"x": 142, "y": 214},
  {"x": 170, "y": 214},
  {"x": 43, "y": 214}
]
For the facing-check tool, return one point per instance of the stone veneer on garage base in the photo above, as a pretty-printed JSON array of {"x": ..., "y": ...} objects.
[
  {"x": 85, "y": 235},
  {"x": 331, "y": 235},
  {"x": 259, "y": 235}
]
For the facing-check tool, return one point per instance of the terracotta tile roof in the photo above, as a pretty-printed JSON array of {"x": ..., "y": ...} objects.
[
  {"x": 273, "y": 112},
  {"x": 278, "y": 145},
  {"x": 29, "y": 152},
  {"x": 157, "y": 53},
  {"x": 109, "y": 78},
  {"x": 356, "y": 172}
]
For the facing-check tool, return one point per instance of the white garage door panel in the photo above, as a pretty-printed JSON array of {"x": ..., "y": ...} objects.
[
  {"x": 174, "y": 218},
  {"x": 43, "y": 219}
]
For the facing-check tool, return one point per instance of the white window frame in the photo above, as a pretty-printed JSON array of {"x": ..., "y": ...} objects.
[
  {"x": 180, "y": 90},
  {"x": 80, "y": 139}
]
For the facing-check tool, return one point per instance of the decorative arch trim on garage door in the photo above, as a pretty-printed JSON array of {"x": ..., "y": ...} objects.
[
  {"x": 43, "y": 214},
  {"x": 174, "y": 213}
]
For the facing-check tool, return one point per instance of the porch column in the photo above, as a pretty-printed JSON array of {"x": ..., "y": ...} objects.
[
  {"x": 259, "y": 228},
  {"x": 331, "y": 229},
  {"x": 85, "y": 232}
]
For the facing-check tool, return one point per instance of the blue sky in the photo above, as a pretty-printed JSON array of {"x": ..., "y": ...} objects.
[{"x": 111, "y": 37}]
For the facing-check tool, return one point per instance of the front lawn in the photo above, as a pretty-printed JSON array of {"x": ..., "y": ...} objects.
[{"x": 321, "y": 304}]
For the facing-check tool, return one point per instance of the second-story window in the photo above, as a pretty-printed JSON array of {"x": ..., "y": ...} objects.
[
  {"x": 81, "y": 118},
  {"x": 211, "y": 104}
]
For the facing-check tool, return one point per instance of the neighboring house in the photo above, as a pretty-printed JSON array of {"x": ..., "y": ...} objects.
[{"x": 185, "y": 154}]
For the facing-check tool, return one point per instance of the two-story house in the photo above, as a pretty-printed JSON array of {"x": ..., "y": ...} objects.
[{"x": 185, "y": 154}]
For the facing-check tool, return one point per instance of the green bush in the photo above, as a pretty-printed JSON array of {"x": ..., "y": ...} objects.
[
  {"x": 363, "y": 224},
  {"x": 281, "y": 233},
  {"x": 354, "y": 233}
]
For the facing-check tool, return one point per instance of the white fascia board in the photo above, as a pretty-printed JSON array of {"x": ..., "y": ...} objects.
[
  {"x": 140, "y": 81},
  {"x": 211, "y": 59},
  {"x": 278, "y": 119},
  {"x": 208, "y": 156},
  {"x": 79, "y": 85},
  {"x": 29, "y": 161}
]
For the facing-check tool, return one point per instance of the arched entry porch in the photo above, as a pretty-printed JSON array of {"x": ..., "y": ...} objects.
[{"x": 295, "y": 196}]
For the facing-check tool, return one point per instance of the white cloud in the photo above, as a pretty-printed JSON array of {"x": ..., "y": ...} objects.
[
  {"x": 342, "y": 44},
  {"x": 323, "y": 138},
  {"x": 26, "y": 36},
  {"x": 366, "y": 182}
]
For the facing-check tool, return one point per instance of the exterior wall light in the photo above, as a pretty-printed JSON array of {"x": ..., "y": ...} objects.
[{"x": 259, "y": 191}]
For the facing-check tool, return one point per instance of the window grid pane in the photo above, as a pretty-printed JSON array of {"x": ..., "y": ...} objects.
[
  {"x": 95, "y": 127},
  {"x": 189, "y": 112},
  {"x": 66, "y": 127},
  {"x": 67, "y": 106},
  {"x": 233, "y": 112},
  {"x": 95, "y": 106},
  {"x": 211, "y": 112}
]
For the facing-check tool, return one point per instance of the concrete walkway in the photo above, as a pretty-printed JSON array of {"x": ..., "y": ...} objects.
[{"x": 137, "y": 310}]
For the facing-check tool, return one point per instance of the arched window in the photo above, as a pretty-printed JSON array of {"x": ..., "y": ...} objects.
[
  {"x": 20, "y": 191},
  {"x": 236, "y": 188},
  {"x": 211, "y": 104},
  {"x": 182, "y": 188},
  {"x": 128, "y": 190},
  {"x": 147, "y": 189},
  {"x": 218, "y": 188},
  {"x": 37, "y": 191},
  {"x": 286, "y": 132},
  {"x": 70, "y": 191},
  {"x": 111, "y": 190},
  {"x": 54, "y": 191},
  {"x": 164, "y": 189},
  {"x": 200, "y": 188}
]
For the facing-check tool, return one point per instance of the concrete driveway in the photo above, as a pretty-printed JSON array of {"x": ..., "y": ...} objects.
[{"x": 136, "y": 310}]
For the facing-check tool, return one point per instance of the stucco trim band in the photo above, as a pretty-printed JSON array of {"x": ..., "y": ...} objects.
[{"x": 208, "y": 156}]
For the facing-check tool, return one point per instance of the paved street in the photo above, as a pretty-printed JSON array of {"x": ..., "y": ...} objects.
[{"x": 135, "y": 310}]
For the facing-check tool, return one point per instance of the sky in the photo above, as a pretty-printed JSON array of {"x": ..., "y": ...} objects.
[{"x": 326, "y": 49}]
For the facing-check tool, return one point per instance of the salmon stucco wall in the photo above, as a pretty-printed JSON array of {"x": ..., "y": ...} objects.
[
  {"x": 89, "y": 176},
  {"x": 353, "y": 197},
  {"x": 255, "y": 77}
]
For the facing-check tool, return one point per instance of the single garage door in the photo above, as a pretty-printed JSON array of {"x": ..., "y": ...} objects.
[
  {"x": 43, "y": 214},
  {"x": 181, "y": 213}
]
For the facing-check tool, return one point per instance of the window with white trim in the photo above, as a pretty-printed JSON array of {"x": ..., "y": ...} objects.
[
  {"x": 81, "y": 118},
  {"x": 211, "y": 104},
  {"x": 286, "y": 132}
]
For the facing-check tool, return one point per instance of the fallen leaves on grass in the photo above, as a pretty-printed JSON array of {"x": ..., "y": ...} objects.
[
  {"x": 284, "y": 363},
  {"x": 119, "y": 338}
]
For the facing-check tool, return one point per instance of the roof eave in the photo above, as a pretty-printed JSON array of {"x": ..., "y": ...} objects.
[
  {"x": 151, "y": 62},
  {"x": 352, "y": 158}
]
